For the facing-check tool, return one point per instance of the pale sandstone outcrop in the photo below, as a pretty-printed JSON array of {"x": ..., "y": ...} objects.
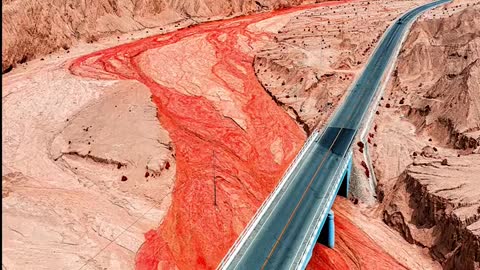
[
  {"x": 439, "y": 77},
  {"x": 32, "y": 29},
  {"x": 426, "y": 137},
  {"x": 315, "y": 57},
  {"x": 437, "y": 206},
  {"x": 67, "y": 146}
]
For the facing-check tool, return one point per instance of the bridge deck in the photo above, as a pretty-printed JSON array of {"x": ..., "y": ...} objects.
[{"x": 284, "y": 234}]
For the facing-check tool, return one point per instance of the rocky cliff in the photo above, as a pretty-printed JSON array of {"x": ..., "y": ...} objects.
[
  {"x": 426, "y": 138},
  {"x": 34, "y": 28},
  {"x": 439, "y": 79},
  {"x": 436, "y": 205},
  {"x": 314, "y": 58}
]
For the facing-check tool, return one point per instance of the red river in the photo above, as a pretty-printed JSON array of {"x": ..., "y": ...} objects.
[{"x": 195, "y": 233}]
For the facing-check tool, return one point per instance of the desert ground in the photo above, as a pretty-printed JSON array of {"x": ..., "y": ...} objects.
[
  {"x": 145, "y": 135},
  {"x": 426, "y": 153}
]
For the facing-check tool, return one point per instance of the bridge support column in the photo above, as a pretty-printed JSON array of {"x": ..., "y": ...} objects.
[
  {"x": 327, "y": 235},
  {"x": 345, "y": 186}
]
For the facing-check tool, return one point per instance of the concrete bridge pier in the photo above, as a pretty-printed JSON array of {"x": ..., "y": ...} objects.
[
  {"x": 345, "y": 185},
  {"x": 327, "y": 235}
]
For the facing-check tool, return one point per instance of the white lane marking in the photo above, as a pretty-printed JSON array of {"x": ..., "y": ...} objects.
[{"x": 266, "y": 204}]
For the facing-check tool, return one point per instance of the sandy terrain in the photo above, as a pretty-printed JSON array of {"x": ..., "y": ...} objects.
[
  {"x": 92, "y": 145},
  {"x": 110, "y": 158},
  {"x": 425, "y": 138},
  {"x": 315, "y": 57},
  {"x": 64, "y": 156},
  {"x": 356, "y": 227},
  {"x": 32, "y": 29}
]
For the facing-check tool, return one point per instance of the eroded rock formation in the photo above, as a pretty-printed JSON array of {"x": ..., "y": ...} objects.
[
  {"x": 436, "y": 205},
  {"x": 426, "y": 142},
  {"x": 314, "y": 58},
  {"x": 439, "y": 77},
  {"x": 35, "y": 28}
]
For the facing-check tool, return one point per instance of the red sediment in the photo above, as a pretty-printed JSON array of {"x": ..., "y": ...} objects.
[
  {"x": 196, "y": 234},
  {"x": 360, "y": 145},
  {"x": 353, "y": 248},
  {"x": 364, "y": 165}
]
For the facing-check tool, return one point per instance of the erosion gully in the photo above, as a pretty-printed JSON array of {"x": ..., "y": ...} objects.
[{"x": 195, "y": 233}]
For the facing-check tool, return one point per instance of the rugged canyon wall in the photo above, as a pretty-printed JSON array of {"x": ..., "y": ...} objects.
[
  {"x": 35, "y": 28},
  {"x": 124, "y": 145},
  {"x": 306, "y": 69},
  {"x": 436, "y": 206},
  {"x": 439, "y": 76},
  {"x": 102, "y": 149},
  {"x": 314, "y": 58},
  {"x": 426, "y": 138}
]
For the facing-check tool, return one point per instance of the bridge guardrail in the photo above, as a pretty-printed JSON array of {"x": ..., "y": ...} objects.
[
  {"x": 310, "y": 240},
  {"x": 250, "y": 226},
  {"x": 254, "y": 220}
]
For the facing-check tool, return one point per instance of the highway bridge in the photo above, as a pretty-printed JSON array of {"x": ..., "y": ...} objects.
[{"x": 283, "y": 232}]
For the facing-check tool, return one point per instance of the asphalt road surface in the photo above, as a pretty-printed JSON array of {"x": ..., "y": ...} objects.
[{"x": 283, "y": 236}]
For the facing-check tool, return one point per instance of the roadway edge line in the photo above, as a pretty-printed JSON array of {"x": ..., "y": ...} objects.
[
  {"x": 395, "y": 54},
  {"x": 227, "y": 260},
  {"x": 267, "y": 202},
  {"x": 370, "y": 116},
  {"x": 313, "y": 235}
]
